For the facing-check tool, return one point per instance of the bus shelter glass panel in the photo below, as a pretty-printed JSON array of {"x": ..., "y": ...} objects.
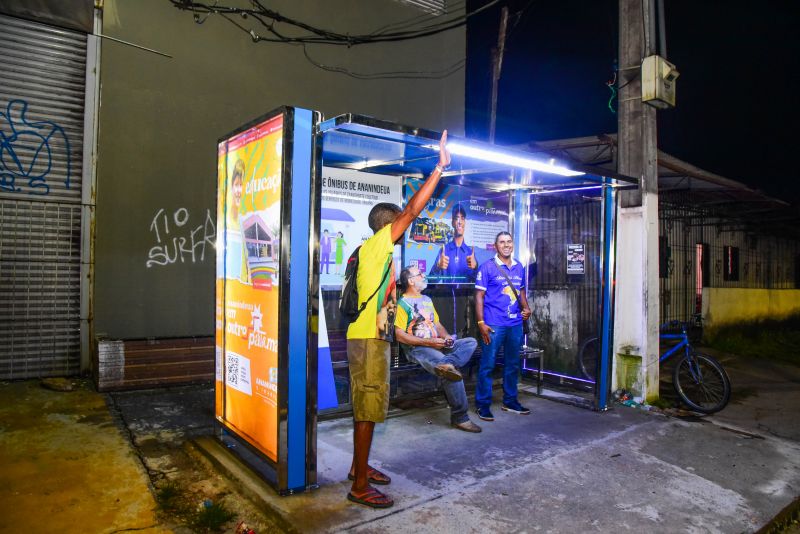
[
  {"x": 566, "y": 285},
  {"x": 556, "y": 215}
]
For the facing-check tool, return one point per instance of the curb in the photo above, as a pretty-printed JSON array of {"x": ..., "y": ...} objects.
[
  {"x": 208, "y": 449},
  {"x": 790, "y": 514}
]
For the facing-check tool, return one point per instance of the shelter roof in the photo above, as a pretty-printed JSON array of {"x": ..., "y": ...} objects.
[
  {"x": 727, "y": 201},
  {"x": 366, "y": 144}
]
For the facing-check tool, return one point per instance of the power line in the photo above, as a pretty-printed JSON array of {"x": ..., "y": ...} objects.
[
  {"x": 444, "y": 73},
  {"x": 423, "y": 26},
  {"x": 268, "y": 18}
]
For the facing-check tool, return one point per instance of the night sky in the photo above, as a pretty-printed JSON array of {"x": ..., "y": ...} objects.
[{"x": 737, "y": 95}]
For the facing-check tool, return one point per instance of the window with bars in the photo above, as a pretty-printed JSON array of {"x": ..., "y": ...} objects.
[{"x": 731, "y": 263}]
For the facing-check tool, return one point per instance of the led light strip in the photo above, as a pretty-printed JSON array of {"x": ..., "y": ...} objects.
[{"x": 508, "y": 159}]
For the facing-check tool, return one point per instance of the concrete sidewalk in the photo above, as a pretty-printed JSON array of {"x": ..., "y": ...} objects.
[{"x": 566, "y": 469}]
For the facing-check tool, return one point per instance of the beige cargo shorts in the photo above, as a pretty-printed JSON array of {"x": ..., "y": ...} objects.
[{"x": 369, "y": 378}]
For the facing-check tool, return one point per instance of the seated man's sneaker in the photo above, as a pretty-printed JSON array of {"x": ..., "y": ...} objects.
[
  {"x": 485, "y": 414},
  {"x": 467, "y": 426},
  {"x": 448, "y": 372},
  {"x": 515, "y": 407}
]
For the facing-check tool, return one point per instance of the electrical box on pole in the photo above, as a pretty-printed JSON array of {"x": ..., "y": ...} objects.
[{"x": 658, "y": 82}]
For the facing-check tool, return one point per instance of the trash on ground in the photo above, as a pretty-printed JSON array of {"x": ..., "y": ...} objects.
[
  {"x": 242, "y": 528},
  {"x": 58, "y": 384}
]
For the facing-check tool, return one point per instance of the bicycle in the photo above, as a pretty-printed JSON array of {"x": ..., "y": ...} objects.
[
  {"x": 588, "y": 356},
  {"x": 699, "y": 379}
]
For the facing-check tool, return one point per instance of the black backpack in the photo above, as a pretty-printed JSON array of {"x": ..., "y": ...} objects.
[{"x": 349, "y": 303}]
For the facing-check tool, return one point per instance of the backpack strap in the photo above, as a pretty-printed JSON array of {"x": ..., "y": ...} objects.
[
  {"x": 364, "y": 304},
  {"x": 511, "y": 285}
]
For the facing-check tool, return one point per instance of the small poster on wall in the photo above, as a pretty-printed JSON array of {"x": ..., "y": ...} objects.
[{"x": 576, "y": 259}]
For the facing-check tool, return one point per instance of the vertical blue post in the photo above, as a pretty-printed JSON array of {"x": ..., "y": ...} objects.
[
  {"x": 298, "y": 298},
  {"x": 609, "y": 208}
]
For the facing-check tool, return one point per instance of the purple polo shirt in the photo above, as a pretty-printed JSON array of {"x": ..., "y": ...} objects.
[{"x": 500, "y": 306}]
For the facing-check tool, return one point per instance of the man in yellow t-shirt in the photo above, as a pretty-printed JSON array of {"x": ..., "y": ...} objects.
[{"x": 369, "y": 335}]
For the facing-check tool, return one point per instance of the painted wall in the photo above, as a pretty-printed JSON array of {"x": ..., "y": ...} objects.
[
  {"x": 724, "y": 306},
  {"x": 160, "y": 119},
  {"x": 555, "y": 319}
]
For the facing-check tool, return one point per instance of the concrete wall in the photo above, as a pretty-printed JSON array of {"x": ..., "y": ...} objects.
[
  {"x": 556, "y": 329},
  {"x": 725, "y": 306},
  {"x": 160, "y": 119}
]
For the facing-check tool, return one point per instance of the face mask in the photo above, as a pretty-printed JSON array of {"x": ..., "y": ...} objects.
[{"x": 421, "y": 284}]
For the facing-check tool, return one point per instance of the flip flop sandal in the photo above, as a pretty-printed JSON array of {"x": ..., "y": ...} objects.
[
  {"x": 374, "y": 477},
  {"x": 372, "y": 499}
]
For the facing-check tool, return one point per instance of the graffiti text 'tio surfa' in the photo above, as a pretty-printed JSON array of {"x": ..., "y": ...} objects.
[{"x": 177, "y": 240}]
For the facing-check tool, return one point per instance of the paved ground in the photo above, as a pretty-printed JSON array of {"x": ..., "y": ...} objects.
[
  {"x": 66, "y": 467},
  {"x": 562, "y": 469},
  {"x": 565, "y": 469}
]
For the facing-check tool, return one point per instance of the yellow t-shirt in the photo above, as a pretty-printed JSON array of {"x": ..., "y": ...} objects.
[{"x": 373, "y": 258}]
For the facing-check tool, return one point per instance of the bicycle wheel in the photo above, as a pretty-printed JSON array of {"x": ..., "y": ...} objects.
[
  {"x": 588, "y": 356},
  {"x": 701, "y": 383}
]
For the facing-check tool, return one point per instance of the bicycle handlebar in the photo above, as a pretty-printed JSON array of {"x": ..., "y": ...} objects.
[
  {"x": 672, "y": 324},
  {"x": 696, "y": 320}
]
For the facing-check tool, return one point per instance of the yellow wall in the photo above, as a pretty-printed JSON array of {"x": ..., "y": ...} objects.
[{"x": 723, "y": 306}]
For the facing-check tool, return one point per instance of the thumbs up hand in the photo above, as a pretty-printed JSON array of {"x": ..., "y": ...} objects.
[
  {"x": 471, "y": 261},
  {"x": 444, "y": 261}
]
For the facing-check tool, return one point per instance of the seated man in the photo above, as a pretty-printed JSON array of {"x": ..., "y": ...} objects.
[{"x": 426, "y": 342}]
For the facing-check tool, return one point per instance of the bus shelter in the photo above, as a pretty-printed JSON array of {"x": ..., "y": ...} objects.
[{"x": 294, "y": 192}]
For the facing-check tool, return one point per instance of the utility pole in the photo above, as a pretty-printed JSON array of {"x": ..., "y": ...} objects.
[
  {"x": 636, "y": 314},
  {"x": 497, "y": 67}
]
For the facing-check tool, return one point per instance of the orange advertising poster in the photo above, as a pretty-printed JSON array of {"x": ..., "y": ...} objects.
[{"x": 248, "y": 232}]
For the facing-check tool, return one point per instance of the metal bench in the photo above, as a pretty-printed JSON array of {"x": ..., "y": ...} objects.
[{"x": 528, "y": 353}]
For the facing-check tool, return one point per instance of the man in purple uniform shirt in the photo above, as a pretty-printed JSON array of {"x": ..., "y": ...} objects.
[{"x": 500, "y": 315}]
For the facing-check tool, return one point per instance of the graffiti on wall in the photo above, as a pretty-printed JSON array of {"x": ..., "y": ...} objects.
[
  {"x": 28, "y": 149},
  {"x": 178, "y": 240}
]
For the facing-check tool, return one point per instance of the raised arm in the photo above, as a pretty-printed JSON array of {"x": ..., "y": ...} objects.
[{"x": 420, "y": 198}]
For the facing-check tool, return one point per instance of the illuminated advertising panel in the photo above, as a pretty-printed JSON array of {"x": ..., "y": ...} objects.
[
  {"x": 248, "y": 290},
  {"x": 455, "y": 232}
]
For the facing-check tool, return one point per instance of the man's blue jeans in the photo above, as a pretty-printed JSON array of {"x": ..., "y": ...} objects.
[
  {"x": 510, "y": 338},
  {"x": 459, "y": 354}
]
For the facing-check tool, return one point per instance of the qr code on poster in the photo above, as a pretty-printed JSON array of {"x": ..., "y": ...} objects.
[
  {"x": 232, "y": 369},
  {"x": 237, "y": 372}
]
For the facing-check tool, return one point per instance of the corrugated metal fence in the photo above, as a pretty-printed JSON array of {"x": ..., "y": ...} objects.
[{"x": 42, "y": 95}]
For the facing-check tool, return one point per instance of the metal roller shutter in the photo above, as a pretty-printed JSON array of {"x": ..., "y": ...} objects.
[{"x": 42, "y": 95}]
